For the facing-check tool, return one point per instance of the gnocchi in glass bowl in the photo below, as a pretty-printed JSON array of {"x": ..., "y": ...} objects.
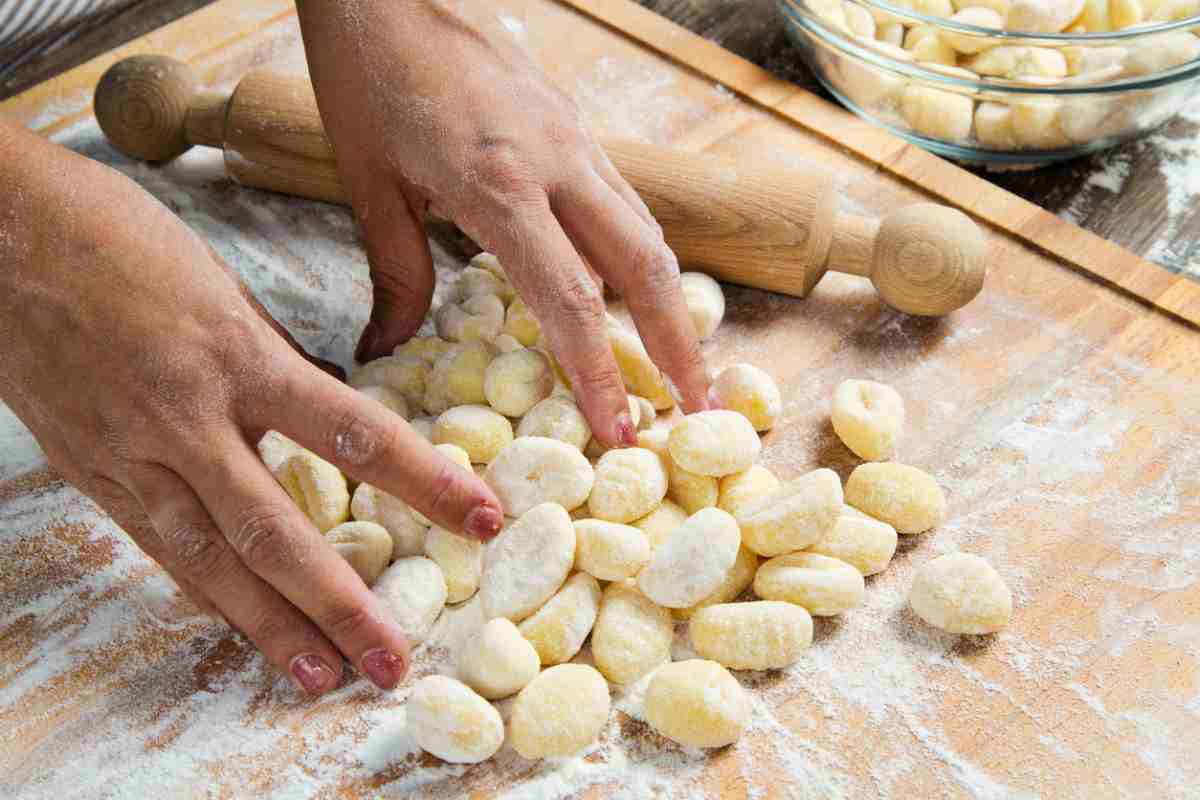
[{"x": 1004, "y": 83}]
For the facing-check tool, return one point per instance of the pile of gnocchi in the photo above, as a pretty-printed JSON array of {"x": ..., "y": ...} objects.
[
  {"x": 1003, "y": 120},
  {"x": 620, "y": 545}
]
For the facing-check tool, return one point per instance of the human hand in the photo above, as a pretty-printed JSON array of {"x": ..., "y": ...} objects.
[
  {"x": 428, "y": 110},
  {"x": 147, "y": 374}
]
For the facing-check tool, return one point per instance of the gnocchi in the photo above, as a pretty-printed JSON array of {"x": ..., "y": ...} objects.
[
  {"x": 498, "y": 661},
  {"x": 560, "y": 712},
  {"x": 477, "y": 318},
  {"x": 400, "y": 520},
  {"x": 367, "y": 548},
  {"x": 705, "y": 302},
  {"x": 902, "y": 496},
  {"x": 318, "y": 488},
  {"x": 961, "y": 593},
  {"x": 765, "y": 634},
  {"x": 748, "y": 390},
  {"x": 447, "y": 719},
  {"x": 632, "y": 635},
  {"x": 478, "y": 430},
  {"x": 697, "y": 703},
  {"x": 414, "y": 590},
  {"x": 824, "y": 586},
  {"x": 515, "y": 382},
  {"x": 693, "y": 561},
  {"x": 868, "y": 417},
  {"x": 527, "y": 563},
  {"x": 534, "y": 469},
  {"x": 629, "y": 484},
  {"x": 738, "y": 490},
  {"x": 864, "y": 543},
  {"x": 406, "y": 374},
  {"x": 459, "y": 558},
  {"x": 714, "y": 443},
  {"x": 793, "y": 516},
  {"x": 457, "y": 377},
  {"x": 557, "y": 417},
  {"x": 608, "y": 550},
  {"x": 558, "y": 628}
]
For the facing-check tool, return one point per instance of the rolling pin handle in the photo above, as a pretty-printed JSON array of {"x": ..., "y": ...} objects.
[{"x": 142, "y": 104}]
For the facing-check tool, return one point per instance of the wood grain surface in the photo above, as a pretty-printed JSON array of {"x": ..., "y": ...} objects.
[{"x": 1060, "y": 416}]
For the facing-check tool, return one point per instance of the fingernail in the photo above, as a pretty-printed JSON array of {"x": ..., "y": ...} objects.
[
  {"x": 366, "y": 344},
  {"x": 312, "y": 673},
  {"x": 484, "y": 522},
  {"x": 626, "y": 432},
  {"x": 384, "y": 668}
]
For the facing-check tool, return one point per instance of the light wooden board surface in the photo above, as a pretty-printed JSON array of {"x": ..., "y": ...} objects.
[{"x": 1061, "y": 415}]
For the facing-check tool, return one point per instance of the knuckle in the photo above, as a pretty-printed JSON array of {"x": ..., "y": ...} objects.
[
  {"x": 358, "y": 440},
  {"x": 579, "y": 298},
  {"x": 441, "y": 487},
  {"x": 262, "y": 537},
  {"x": 345, "y": 618},
  {"x": 199, "y": 553},
  {"x": 501, "y": 165},
  {"x": 268, "y": 626}
]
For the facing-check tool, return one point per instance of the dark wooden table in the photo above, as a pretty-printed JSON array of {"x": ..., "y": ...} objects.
[{"x": 1138, "y": 215}]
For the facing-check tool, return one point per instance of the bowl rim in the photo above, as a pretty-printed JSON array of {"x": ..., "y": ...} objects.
[
  {"x": 798, "y": 13},
  {"x": 1023, "y": 37}
]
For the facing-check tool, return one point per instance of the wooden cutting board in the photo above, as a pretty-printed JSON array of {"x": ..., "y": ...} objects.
[{"x": 1061, "y": 411}]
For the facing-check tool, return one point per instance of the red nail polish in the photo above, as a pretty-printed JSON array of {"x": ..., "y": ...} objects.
[
  {"x": 626, "y": 432},
  {"x": 312, "y": 673},
  {"x": 483, "y": 522},
  {"x": 384, "y": 668}
]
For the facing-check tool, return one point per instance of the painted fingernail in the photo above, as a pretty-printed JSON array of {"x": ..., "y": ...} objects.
[
  {"x": 312, "y": 673},
  {"x": 384, "y": 668},
  {"x": 484, "y": 522},
  {"x": 626, "y": 431},
  {"x": 366, "y": 344}
]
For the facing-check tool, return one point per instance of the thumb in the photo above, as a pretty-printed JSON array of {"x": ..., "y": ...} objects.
[{"x": 401, "y": 272}]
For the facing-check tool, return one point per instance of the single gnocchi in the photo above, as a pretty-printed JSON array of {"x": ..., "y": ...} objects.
[
  {"x": 693, "y": 561},
  {"x": 447, "y": 719},
  {"x": 457, "y": 377},
  {"x": 318, "y": 488},
  {"x": 737, "y": 491},
  {"x": 479, "y": 282},
  {"x": 610, "y": 551},
  {"x": 793, "y": 516},
  {"x": 427, "y": 348},
  {"x": 961, "y": 593},
  {"x": 697, "y": 703},
  {"x": 864, "y": 543},
  {"x": 389, "y": 398},
  {"x": 527, "y": 563},
  {"x": 902, "y": 496},
  {"x": 661, "y": 523},
  {"x": 515, "y": 382},
  {"x": 748, "y": 390},
  {"x": 557, "y": 417},
  {"x": 641, "y": 376},
  {"x": 406, "y": 374},
  {"x": 765, "y": 634},
  {"x": 632, "y": 635},
  {"x": 521, "y": 324},
  {"x": 705, "y": 302},
  {"x": 714, "y": 443},
  {"x": 459, "y": 558},
  {"x": 367, "y": 548},
  {"x": 868, "y": 417},
  {"x": 558, "y": 628},
  {"x": 478, "y": 430},
  {"x": 560, "y": 712},
  {"x": 629, "y": 484},
  {"x": 498, "y": 661},
  {"x": 398, "y": 518},
  {"x": 478, "y": 318},
  {"x": 823, "y": 585},
  {"x": 737, "y": 580},
  {"x": 414, "y": 590},
  {"x": 535, "y": 469}
]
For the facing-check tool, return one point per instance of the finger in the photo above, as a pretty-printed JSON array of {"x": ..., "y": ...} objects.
[
  {"x": 401, "y": 273},
  {"x": 551, "y": 277},
  {"x": 609, "y": 174},
  {"x": 639, "y": 265},
  {"x": 191, "y": 541},
  {"x": 273, "y": 538},
  {"x": 368, "y": 442}
]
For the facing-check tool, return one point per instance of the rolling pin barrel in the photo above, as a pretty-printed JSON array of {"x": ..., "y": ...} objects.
[{"x": 761, "y": 226}]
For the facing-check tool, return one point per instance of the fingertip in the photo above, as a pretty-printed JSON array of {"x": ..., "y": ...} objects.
[
  {"x": 626, "y": 431},
  {"x": 313, "y": 674},
  {"x": 385, "y": 668},
  {"x": 483, "y": 522},
  {"x": 368, "y": 344}
]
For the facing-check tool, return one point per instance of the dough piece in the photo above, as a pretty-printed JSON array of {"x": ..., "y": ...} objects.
[
  {"x": 560, "y": 712},
  {"x": 928, "y": 46},
  {"x": 1126, "y": 13},
  {"x": 823, "y": 585},
  {"x": 1162, "y": 52},
  {"x": 450, "y": 721},
  {"x": 693, "y": 561},
  {"x": 793, "y": 516},
  {"x": 868, "y": 417},
  {"x": 397, "y": 517},
  {"x": 427, "y": 348},
  {"x": 318, "y": 487},
  {"x": 459, "y": 457},
  {"x": 902, "y": 496},
  {"x": 737, "y": 491},
  {"x": 478, "y": 430},
  {"x": 367, "y": 548},
  {"x": 858, "y": 20},
  {"x": 629, "y": 484},
  {"x": 275, "y": 449},
  {"x": 765, "y": 634},
  {"x": 714, "y": 443},
  {"x": 638, "y": 371},
  {"x": 423, "y": 425},
  {"x": 961, "y": 593},
  {"x": 521, "y": 324},
  {"x": 705, "y": 301},
  {"x": 608, "y": 550},
  {"x": 936, "y": 113},
  {"x": 527, "y": 563},
  {"x": 748, "y": 390},
  {"x": 479, "y": 282},
  {"x": 506, "y": 344},
  {"x": 737, "y": 580},
  {"x": 697, "y": 703},
  {"x": 646, "y": 412},
  {"x": 490, "y": 262},
  {"x": 389, "y": 398},
  {"x": 408, "y": 375},
  {"x": 632, "y": 636},
  {"x": 862, "y": 542},
  {"x": 457, "y": 377},
  {"x": 498, "y": 661},
  {"x": 994, "y": 129},
  {"x": 414, "y": 591},
  {"x": 980, "y": 17},
  {"x": 661, "y": 523},
  {"x": 1015, "y": 61},
  {"x": 460, "y": 559},
  {"x": 515, "y": 382},
  {"x": 1043, "y": 16},
  {"x": 690, "y": 490},
  {"x": 534, "y": 469},
  {"x": 556, "y": 417},
  {"x": 557, "y": 629},
  {"x": 476, "y": 319}
]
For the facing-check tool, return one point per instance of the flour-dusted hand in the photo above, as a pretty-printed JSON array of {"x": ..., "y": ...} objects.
[
  {"x": 148, "y": 374},
  {"x": 431, "y": 109}
]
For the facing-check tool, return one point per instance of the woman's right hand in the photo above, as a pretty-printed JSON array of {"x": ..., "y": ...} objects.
[{"x": 147, "y": 374}]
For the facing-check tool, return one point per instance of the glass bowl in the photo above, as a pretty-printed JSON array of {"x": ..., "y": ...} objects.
[{"x": 1036, "y": 98}]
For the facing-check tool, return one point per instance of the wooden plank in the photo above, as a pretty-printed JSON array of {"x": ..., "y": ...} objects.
[{"x": 1075, "y": 247}]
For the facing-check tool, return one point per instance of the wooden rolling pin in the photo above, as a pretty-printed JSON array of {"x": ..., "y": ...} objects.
[{"x": 758, "y": 225}]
